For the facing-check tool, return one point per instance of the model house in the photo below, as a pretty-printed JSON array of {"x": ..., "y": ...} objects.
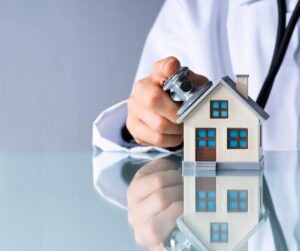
[
  {"x": 221, "y": 165},
  {"x": 224, "y": 125}
]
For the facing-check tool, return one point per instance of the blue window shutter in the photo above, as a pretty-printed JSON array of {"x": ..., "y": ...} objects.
[
  {"x": 211, "y": 134},
  {"x": 224, "y": 237},
  {"x": 215, "y": 114},
  {"x": 211, "y": 194},
  {"x": 202, "y": 194},
  {"x": 211, "y": 206},
  {"x": 243, "y": 206},
  {"x": 232, "y": 194},
  {"x": 243, "y": 143},
  {"x": 224, "y": 114},
  {"x": 224, "y": 227},
  {"x": 243, "y": 133},
  {"x": 201, "y": 133},
  {"x": 201, "y": 143},
  {"x": 224, "y": 104},
  {"x": 232, "y": 205},
  {"x": 233, "y": 133},
  {"x": 215, "y": 227},
  {"x": 215, "y": 237},
  {"x": 232, "y": 143},
  {"x": 201, "y": 205},
  {"x": 211, "y": 143},
  {"x": 242, "y": 195},
  {"x": 215, "y": 104}
]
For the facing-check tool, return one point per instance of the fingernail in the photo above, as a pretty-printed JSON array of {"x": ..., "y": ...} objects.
[{"x": 164, "y": 80}]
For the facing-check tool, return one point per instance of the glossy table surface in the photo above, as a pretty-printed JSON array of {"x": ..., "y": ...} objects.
[
  {"x": 48, "y": 202},
  {"x": 113, "y": 172},
  {"x": 72, "y": 201}
]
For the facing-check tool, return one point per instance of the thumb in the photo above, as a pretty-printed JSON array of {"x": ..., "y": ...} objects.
[
  {"x": 171, "y": 64},
  {"x": 165, "y": 68}
]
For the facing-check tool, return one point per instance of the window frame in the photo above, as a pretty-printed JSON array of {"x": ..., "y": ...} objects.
[
  {"x": 205, "y": 184},
  {"x": 219, "y": 232},
  {"x": 238, "y": 200},
  {"x": 219, "y": 109},
  {"x": 206, "y": 138},
  {"x": 238, "y": 138}
]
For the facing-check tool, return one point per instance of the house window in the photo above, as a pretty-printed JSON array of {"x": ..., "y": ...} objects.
[
  {"x": 237, "y": 201},
  {"x": 218, "y": 109},
  {"x": 237, "y": 138},
  {"x": 218, "y": 232},
  {"x": 205, "y": 194},
  {"x": 206, "y": 138}
]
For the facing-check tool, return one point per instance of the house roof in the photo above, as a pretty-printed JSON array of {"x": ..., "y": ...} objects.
[{"x": 230, "y": 85}]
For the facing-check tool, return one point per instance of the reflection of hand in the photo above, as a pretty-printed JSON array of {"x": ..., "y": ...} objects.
[
  {"x": 154, "y": 202},
  {"x": 152, "y": 115}
]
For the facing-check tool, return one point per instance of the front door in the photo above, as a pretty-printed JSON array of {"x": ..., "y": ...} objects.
[{"x": 206, "y": 144}]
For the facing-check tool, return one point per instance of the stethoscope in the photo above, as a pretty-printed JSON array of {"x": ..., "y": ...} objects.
[
  {"x": 283, "y": 38},
  {"x": 284, "y": 34}
]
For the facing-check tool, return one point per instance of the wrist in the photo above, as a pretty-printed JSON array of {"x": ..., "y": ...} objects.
[{"x": 126, "y": 135}]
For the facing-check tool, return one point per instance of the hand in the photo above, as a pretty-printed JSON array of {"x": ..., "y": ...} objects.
[
  {"x": 152, "y": 115},
  {"x": 154, "y": 202}
]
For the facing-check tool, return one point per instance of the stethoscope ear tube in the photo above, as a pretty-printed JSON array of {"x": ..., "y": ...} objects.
[{"x": 282, "y": 41}]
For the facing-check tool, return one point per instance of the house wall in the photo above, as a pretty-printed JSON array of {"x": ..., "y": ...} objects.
[
  {"x": 240, "y": 116},
  {"x": 239, "y": 224}
]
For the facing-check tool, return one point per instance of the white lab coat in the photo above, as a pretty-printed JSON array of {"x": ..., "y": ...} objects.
[{"x": 218, "y": 38}]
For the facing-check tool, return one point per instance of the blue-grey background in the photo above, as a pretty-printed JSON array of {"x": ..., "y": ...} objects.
[{"x": 61, "y": 63}]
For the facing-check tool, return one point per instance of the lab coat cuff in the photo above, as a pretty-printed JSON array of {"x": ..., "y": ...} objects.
[{"x": 107, "y": 132}]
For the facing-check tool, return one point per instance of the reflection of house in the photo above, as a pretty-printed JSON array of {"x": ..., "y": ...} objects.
[
  {"x": 222, "y": 131},
  {"x": 222, "y": 210}
]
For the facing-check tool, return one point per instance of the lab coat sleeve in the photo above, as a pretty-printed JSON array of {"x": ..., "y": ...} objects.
[
  {"x": 162, "y": 41},
  {"x": 169, "y": 36}
]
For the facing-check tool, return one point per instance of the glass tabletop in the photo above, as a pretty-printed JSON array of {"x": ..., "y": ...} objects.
[
  {"x": 113, "y": 172},
  {"x": 48, "y": 202},
  {"x": 74, "y": 201}
]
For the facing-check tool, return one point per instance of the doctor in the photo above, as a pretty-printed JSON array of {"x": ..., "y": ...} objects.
[{"x": 213, "y": 38}]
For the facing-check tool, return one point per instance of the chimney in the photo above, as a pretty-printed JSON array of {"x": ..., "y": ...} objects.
[{"x": 242, "y": 84}]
